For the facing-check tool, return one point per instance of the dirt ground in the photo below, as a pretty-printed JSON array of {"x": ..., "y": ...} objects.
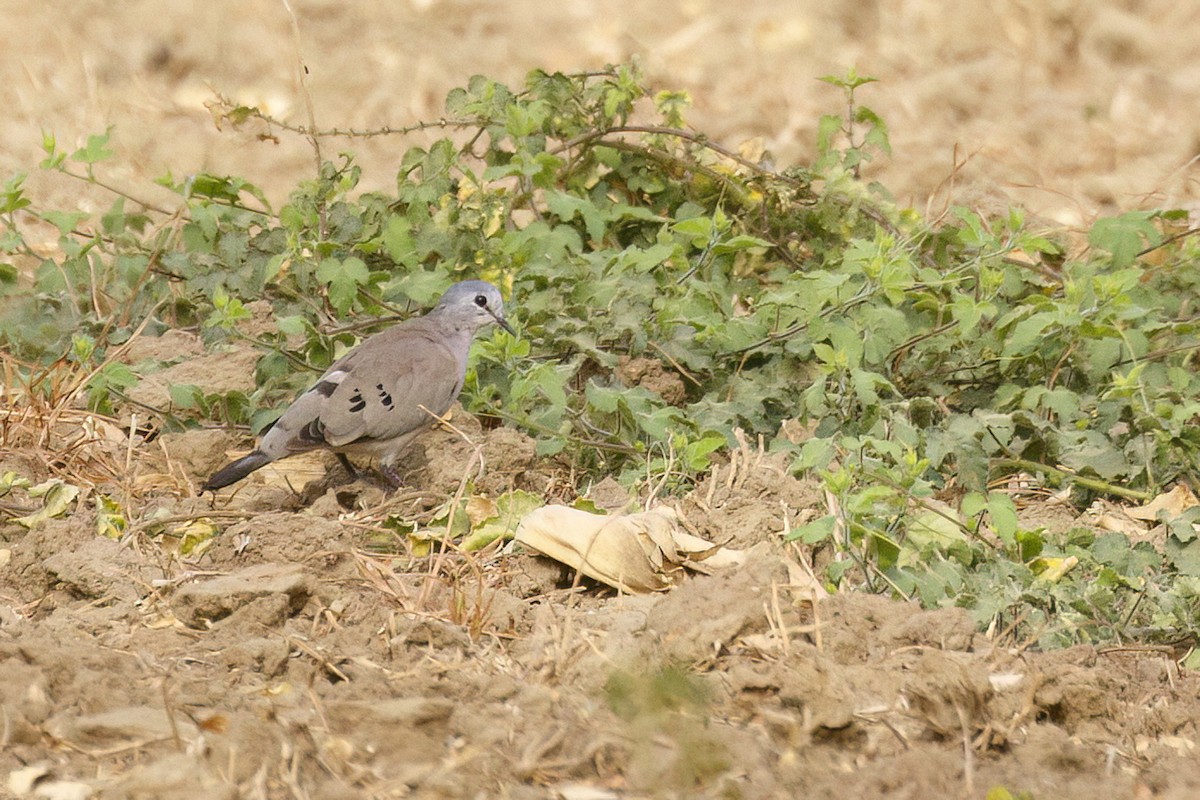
[{"x": 307, "y": 655}]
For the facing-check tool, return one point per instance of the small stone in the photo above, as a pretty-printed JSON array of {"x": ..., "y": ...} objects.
[{"x": 202, "y": 603}]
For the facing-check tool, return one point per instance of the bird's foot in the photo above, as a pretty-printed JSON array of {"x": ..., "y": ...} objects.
[{"x": 390, "y": 475}]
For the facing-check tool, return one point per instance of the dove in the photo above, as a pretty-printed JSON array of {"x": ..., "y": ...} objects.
[{"x": 378, "y": 398}]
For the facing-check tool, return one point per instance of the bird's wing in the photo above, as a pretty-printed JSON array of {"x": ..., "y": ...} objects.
[{"x": 374, "y": 393}]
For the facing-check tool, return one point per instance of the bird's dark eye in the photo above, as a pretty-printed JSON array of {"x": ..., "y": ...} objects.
[{"x": 481, "y": 301}]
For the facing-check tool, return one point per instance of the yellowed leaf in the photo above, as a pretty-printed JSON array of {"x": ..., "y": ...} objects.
[
  {"x": 110, "y": 519},
  {"x": 195, "y": 536},
  {"x": 58, "y": 496},
  {"x": 1181, "y": 745},
  {"x": 11, "y": 480},
  {"x": 1052, "y": 570}
]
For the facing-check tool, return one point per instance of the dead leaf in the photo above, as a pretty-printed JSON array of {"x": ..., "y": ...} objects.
[
  {"x": 1174, "y": 503},
  {"x": 480, "y": 508},
  {"x": 64, "y": 790},
  {"x": 634, "y": 553},
  {"x": 582, "y": 791},
  {"x": 1120, "y": 523},
  {"x": 21, "y": 781}
]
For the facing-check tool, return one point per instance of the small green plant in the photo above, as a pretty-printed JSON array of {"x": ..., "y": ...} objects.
[
  {"x": 853, "y": 138},
  {"x": 667, "y": 704}
]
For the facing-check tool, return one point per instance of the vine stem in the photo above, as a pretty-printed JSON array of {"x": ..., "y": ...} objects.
[{"x": 1094, "y": 484}]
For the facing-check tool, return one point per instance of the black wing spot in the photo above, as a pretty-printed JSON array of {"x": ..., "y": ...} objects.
[
  {"x": 384, "y": 396},
  {"x": 325, "y": 388},
  {"x": 357, "y": 403},
  {"x": 312, "y": 433}
]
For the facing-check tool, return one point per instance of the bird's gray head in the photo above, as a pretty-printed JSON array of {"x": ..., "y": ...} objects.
[{"x": 476, "y": 303}]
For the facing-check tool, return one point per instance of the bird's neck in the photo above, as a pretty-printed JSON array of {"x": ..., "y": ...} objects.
[{"x": 454, "y": 325}]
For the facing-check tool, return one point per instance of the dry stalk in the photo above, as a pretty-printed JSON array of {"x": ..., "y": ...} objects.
[
  {"x": 169, "y": 709},
  {"x": 437, "y": 562},
  {"x": 377, "y": 577},
  {"x": 777, "y": 622},
  {"x": 968, "y": 752},
  {"x": 318, "y": 656},
  {"x": 302, "y": 77}
]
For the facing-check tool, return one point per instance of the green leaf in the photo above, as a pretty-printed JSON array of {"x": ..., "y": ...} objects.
[
  {"x": 1091, "y": 452},
  {"x": 1003, "y": 514},
  {"x": 1125, "y": 236},
  {"x": 398, "y": 241},
  {"x": 973, "y": 504},
  {"x": 819, "y": 530},
  {"x": 12, "y": 196},
  {"x": 343, "y": 277},
  {"x": 700, "y": 230},
  {"x": 930, "y": 528},
  {"x": 95, "y": 151},
  {"x": 602, "y": 398},
  {"x": 742, "y": 242},
  {"x": 294, "y": 325},
  {"x": 696, "y": 454},
  {"x": 1184, "y": 556},
  {"x": 828, "y": 127},
  {"x": 65, "y": 221},
  {"x": 186, "y": 395},
  {"x": 1027, "y": 332},
  {"x": 214, "y": 187},
  {"x": 851, "y": 80}
]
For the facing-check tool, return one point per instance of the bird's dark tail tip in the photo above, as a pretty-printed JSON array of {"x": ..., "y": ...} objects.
[{"x": 232, "y": 473}]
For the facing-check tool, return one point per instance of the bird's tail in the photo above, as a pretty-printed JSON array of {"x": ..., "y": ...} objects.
[{"x": 232, "y": 473}]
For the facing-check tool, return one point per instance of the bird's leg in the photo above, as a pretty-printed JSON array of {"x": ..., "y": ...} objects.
[{"x": 349, "y": 467}]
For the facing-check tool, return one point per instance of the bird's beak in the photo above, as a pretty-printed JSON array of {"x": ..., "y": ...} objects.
[{"x": 502, "y": 322}]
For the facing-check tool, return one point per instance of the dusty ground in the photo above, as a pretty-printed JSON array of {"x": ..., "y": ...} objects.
[{"x": 307, "y": 655}]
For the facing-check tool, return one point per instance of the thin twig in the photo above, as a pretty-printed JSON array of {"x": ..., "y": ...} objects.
[
  {"x": 311, "y": 131},
  {"x": 1094, "y": 484},
  {"x": 91, "y": 178},
  {"x": 677, "y": 133}
]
